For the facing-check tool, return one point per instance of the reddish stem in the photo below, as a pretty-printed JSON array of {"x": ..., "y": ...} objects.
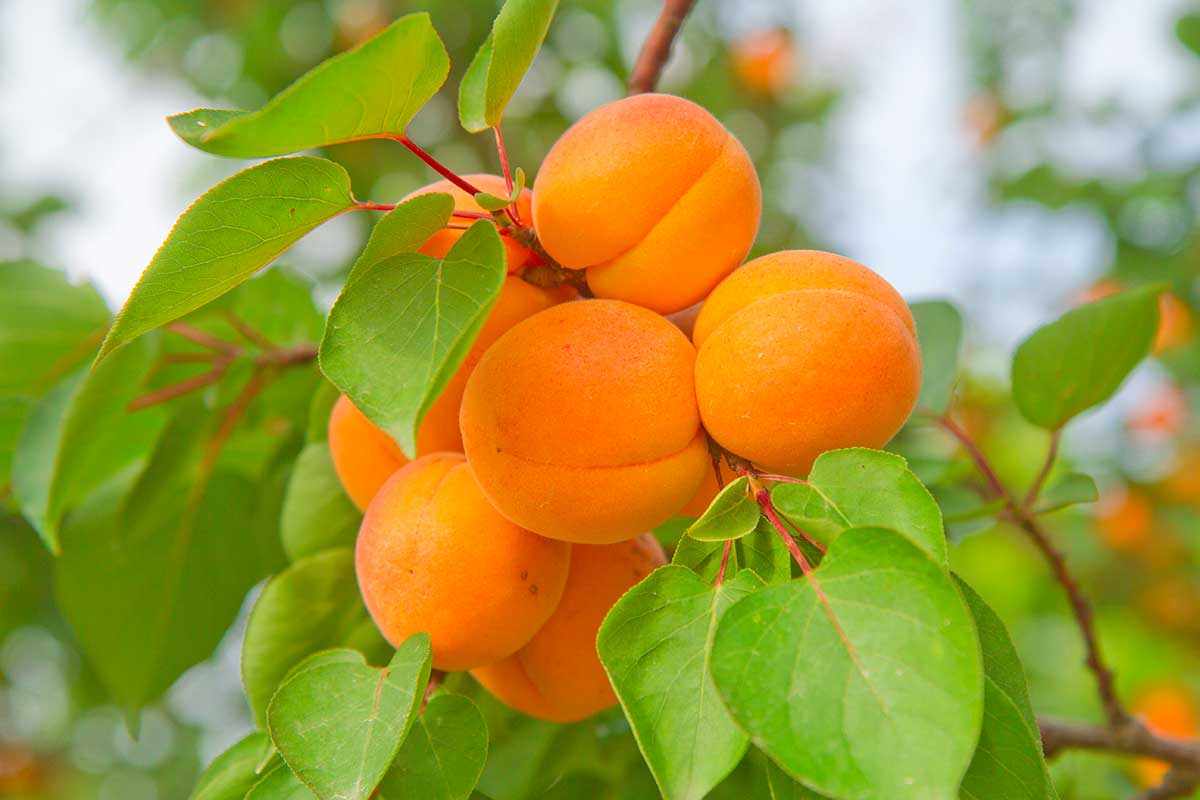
[
  {"x": 437, "y": 166},
  {"x": 724, "y": 561},
  {"x": 503, "y": 152},
  {"x": 770, "y": 476},
  {"x": 374, "y": 206},
  {"x": 657, "y": 49},
  {"x": 1040, "y": 481},
  {"x": 763, "y": 498},
  {"x": 201, "y": 338},
  {"x": 791, "y": 523}
]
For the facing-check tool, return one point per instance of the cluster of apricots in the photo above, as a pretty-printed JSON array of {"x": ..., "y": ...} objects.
[{"x": 577, "y": 425}]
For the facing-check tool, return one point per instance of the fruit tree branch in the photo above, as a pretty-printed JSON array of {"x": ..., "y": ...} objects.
[{"x": 657, "y": 49}]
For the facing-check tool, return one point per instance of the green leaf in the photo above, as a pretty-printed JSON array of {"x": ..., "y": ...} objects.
[
  {"x": 782, "y": 787},
  {"x": 1070, "y": 489},
  {"x": 232, "y": 231},
  {"x": 762, "y": 552},
  {"x": 317, "y": 514},
  {"x": 939, "y": 331},
  {"x": 338, "y": 723},
  {"x": 402, "y": 327},
  {"x": 150, "y": 582},
  {"x": 231, "y": 774},
  {"x": 311, "y": 606},
  {"x": 858, "y": 487},
  {"x": 48, "y": 326},
  {"x": 278, "y": 782},
  {"x": 404, "y": 229},
  {"x": 443, "y": 755},
  {"x": 1008, "y": 761},
  {"x": 502, "y": 61},
  {"x": 36, "y": 453},
  {"x": 1187, "y": 31},
  {"x": 489, "y": 202},
  {"x": 1082, "y": 358},
  {"x": 373, "y": 90},
  {"x": 731, "y": 515},
  {"x": 656, "y": 645},
  {"x": 14, "y": 412},
  {"x": 863, "y": 680}
]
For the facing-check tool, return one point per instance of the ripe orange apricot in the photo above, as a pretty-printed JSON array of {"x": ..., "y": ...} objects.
[
  {"x": 557, "y": 676},
  {"x": 1169, "y": 710},
  {"x": 581, "y": 423},
  {"x": 802, "y": 352},
  {"x": 364, "y": 456},
  {"x": 764, "y": 61},
  {"x": 433, "y": 555},
  {"x": 653, "y": 197},
  {"x": 440, "y": 243}
]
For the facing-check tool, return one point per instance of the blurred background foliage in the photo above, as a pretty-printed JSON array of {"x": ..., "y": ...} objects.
[{"x": 1036, "y": 144}]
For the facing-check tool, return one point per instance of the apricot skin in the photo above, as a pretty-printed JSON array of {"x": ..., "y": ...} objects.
[
  {"x": 784, "y": 377},
  {"x": 653, "y": 197},
  {"x": 364, "y": 456},
  {"x": 433, "y": 555},
  {"x": 439, "y": 244},
  {"x": 557, "y": 676},
  {"x": 581, "y": 422}
]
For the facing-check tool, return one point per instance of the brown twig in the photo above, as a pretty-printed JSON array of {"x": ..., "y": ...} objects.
[
  {"x": 1133, "y": 738},
  {"x": 1020, "y": 515},
  {"x": 202, "y": 338},
  {"x": 1176, "y": 783},
  {"x": 657, "y": 49}
]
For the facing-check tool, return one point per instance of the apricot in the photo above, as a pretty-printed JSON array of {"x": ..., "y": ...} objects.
[
  {"x": 1125, "y": 518},
  {"x": 802, "y": 352},
  {"x": 764, "y": 61},
  {"x": 365, "y": 456},
  {"x": 581, "y": 422},
  {"x": 433, "y": 555},
  {"x": 650, "y": 195},
  {"x": 438, "y": 245},
  {"x": 1169, "y": 710},
  {"x": 557, "y": 676}
]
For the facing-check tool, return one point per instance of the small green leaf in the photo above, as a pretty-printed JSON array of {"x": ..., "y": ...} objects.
[
  {"x": 731, "y": 515},
  {"x": 1187, "y": 31},
  {"x": 36, "y": 454},
  {"x": 1069, "y": 489},
  {"x": 1082, "y": 358},
  {"x": 373, "y": 90},
  {"x": 939, "y": 331},
  {"x": 317, "y": 514},
  {"x": 762, "y": 552},
  {"x": 232, "y": 773},
  {"x": 232, "y": 231},
  {"x": 502, "y": 61},
  {"x": 864, "y": 680},
  {"x": 489, "y": 202},
  {"x": 312, "y": 605},
  {"x": 48, "y": 326},
  {"x": 14, "y": 412},
  {"x": 518, "y": 185},
  {"x": 338, "y": 723},
  {"x": 402, "y": 327},
  {"x": 1008, "y": 761},
  {"x": 656, "y": 645},
  {"x": 443, "y": 755},
  {"x": 858, "y": 487}
]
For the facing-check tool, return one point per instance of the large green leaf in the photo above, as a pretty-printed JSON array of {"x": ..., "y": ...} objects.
[
  {"x": 338, "y": 723},
  {"x": 14, "y": 412},
  {"x": 36, "y": 453},
  {"x": 317, "y": 514},
  {"x": 761, "y": 551},
  {"x": 1008, "y": 762},
  {"x": 149, "y": 582},
  {"x": 939, "y": 331},
  {"x": 443, "y": 755},
  {"x": 732, "y": 514},
  {"x": 232, "y": 773},
  {"x": 1082, "y": 358},
  {"x": 656, "y": 645},
  {"x": 402, "y": 326},
  {"x": 371, "y": 91},
  {"x": 502, "y": 61},
  {"x": 232, "y": 231},
  {"x": 94, "y": 438},
  {"x": 311, "y": 606},
  {"x": 403, "y": 230},
  {"x": 48, "y": 326},
  {"x": 865, "y": 679},
  {"x": 858, "y": 487}
]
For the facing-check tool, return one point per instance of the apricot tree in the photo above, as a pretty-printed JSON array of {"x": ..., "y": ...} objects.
[{"x": 462, "y": 483}]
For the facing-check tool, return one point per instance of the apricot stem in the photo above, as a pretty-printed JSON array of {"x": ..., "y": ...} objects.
[
  {"x": 724, "y": 561},
  {"x": 437, "y": 166},
  {"x": 657, "y": 49}
]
